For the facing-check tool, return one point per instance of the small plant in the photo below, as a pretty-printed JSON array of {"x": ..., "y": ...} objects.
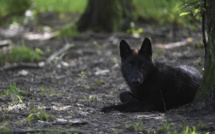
[
  {"x": 85, "y": 97},
  {"x": 114, "y": 59},
  {"x": 157, "y": 52},
  {"x": 201, "y": 125},
  {"x": 14, "y": 91},
  {"x": 87, "y": 86},
  {"x": 132, "y": 29},
  {"x": 52, "y": 91},
  {"x": 46, "y": 91},
  {"x": 59, "y": 94},
  {"x": 115, "y": 129},
  {"x": 199, "y": 63},
  {"x": 83, "y": 81},
  {"x": 138, "y": 126},
  {"x": 190, "y": 131},
  {"x": 39, "y": 51},
  {"x": 39, "y": 114},
  {"x": 89, "y": 98},
  {"x": 99, "y": 83},
  {"x": 127, "y": 123},
  {"x": 43, "y": 91},
  {"x": 4, "y": 112},
  {"x": 198, "y": 45},
  {"x": 82, "y": 75},
  {"x": 164, "y": 129},
  {"x": 135, "y": 127},
  {"x": 97, "y": 44}
]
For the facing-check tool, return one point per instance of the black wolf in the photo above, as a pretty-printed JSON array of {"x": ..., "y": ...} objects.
[{"x": 153, "y": 86}]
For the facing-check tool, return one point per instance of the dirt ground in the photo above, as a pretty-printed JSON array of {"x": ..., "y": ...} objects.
[{"x": 75, "y": 87}]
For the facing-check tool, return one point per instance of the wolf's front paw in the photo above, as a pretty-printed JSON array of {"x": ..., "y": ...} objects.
[
  {"x": 107, "y": 109},
  {"x": 126, "y": 97}
]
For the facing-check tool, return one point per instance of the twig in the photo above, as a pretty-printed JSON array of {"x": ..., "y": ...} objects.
[
  {"x": 4, "y": 43},
  {"x": 175, "y": 44},
  {"x": 43, "y": 131},
  {"x": 56, "y": 54},
  {"x": 2, "y": 99},
  {"x": 21, "y": 65}
]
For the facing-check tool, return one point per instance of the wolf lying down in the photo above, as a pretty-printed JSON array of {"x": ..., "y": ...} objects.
[{"x": 153, "y": 86}]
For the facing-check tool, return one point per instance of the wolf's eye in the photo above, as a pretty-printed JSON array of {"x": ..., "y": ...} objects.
[
  {"x": 142, "y": 66},
  {"x": 129, "y": 65}
]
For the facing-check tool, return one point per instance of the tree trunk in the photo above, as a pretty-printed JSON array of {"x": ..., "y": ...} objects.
[
  {"x": 207, "y": 87},
  {"x": 106, "y": 15}
]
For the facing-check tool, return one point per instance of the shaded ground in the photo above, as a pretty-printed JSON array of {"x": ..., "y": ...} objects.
[{"x": 76, "y": 98}]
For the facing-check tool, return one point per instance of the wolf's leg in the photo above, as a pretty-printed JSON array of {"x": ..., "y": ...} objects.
[
  {"x": 126, "y": 97},
  {"x": 130, "y": 107}
]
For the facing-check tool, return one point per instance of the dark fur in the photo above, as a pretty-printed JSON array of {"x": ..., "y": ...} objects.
[{"x": 153, "y": 86}]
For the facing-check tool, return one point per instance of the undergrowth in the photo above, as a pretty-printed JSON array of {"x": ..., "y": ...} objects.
[
  {"x": 20, "y": 53},
  {"x": 75, "y": 6}
]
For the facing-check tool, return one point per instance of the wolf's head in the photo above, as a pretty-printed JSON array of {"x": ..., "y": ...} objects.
[{"x": 136, "y": 64}]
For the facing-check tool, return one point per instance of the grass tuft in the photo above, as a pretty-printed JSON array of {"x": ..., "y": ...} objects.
[{"x": 20, "y": 53}]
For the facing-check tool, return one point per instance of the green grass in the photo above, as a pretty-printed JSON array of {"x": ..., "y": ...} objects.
[
  {"x": 20, "y": 53},
  {"x": 47, "y": 91},
  {"x": 165, "y": 128},
  {"x": 75, "y": 6},
  {"x": 161, "y": 11},
  {"x": 13, "y": 90},
  {"x": 14, "y": 93},
  {"x": 40, "y": 114}
]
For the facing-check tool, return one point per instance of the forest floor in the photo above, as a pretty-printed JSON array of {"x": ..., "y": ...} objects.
[{"x": 67, "y": 94}]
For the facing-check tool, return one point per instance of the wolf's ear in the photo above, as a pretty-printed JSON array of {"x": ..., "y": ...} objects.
[
  {"x": 146, "y": 48},
  {"x": 125, "y": 50}
]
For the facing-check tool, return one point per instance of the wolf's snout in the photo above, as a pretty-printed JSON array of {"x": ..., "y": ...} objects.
[{"x": 135, "y": 81}]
